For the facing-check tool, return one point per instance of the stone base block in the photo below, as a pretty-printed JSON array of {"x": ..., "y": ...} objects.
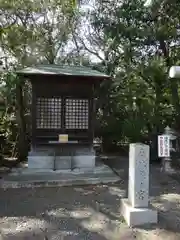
[
  {"x": 42, "y": 152},
  {"x": 84, "y": 161},
  {"x": 63, "y": 162},
  {"x": 57, "y": 158},
  {"x": 137, "y": 216},
  {"x": 42, "y": 162}
]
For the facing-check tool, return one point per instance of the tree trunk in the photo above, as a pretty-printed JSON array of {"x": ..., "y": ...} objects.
[{"x": 22, "y": 144}]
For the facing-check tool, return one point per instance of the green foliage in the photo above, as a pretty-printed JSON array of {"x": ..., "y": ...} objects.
[
  {"x": 8, "y": 124},
  {"x": 30, "y": 32},
  {"x": 138, "y": 45}
]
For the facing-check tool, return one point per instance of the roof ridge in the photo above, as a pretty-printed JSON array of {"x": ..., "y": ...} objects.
[{"x": 65, "y": 65}]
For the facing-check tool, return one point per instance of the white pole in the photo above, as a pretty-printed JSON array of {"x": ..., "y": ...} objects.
[{"x": 174, "y": 72}]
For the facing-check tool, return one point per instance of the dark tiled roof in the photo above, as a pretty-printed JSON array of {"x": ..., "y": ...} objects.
[{"x": 62, "y": 70}]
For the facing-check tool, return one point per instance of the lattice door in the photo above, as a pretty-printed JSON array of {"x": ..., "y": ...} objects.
[
  {"x": 49, "y": 112},
  {"x": 76, "y": 114}
]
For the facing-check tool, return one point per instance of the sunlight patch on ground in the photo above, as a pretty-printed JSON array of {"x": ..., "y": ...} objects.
[
  {"x": 102, "y": 225},
  {"x": 59, "y": 212},
  {"x": 171, "y": 197},
  {"x": 62, "y": 234},
  {"x": 99, "y": 223},
  {"x": 81, "y": 214},
  {"x": 79, "y": 189},
  {"x": 167, "y": 202},
  {"x": 92, "y": 220},
  {"x": 76, "y": 214},
  {"x": 117, "y": 191},
  {"x": 13, "y": 225},
  {"x": 156, "y": 234}
]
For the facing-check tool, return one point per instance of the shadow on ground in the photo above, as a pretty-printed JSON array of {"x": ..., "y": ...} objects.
[
  {"x": 61, "y": 213},
  {"x": 90, "y": 212}
]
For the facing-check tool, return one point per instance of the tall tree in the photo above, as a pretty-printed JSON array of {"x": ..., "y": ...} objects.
[
  {"x": 139, "y": 45},
  {"x": 33, "y": 32}
]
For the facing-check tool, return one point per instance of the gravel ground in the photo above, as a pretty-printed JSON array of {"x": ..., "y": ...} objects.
[
  {"x": 90, "y": 212},
  {"x": 61, "y": 213}
]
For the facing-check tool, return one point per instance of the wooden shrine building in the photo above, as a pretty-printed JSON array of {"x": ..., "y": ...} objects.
[{"x": 62, "y": 116}]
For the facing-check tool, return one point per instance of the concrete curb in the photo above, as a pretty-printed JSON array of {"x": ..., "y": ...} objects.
[
  {"x": 56, "y": 183},
  {"x": 75, "y": 172}
]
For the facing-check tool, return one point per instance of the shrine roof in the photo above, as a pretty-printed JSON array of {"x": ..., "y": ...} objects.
[{"x": 62, "y": 70}]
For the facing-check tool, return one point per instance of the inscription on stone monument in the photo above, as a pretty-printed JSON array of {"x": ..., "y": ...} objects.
[
  {"x": 139, "y": 175},
  {"x": 136, "y": 209}
]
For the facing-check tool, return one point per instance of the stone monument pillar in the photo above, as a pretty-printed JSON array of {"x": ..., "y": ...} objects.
[{"x": 136, "y": 209}]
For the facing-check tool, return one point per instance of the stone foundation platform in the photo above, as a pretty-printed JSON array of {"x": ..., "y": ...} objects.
[
  {"x": 137, "y": 216},
  {"x": 25, "y": 177},
  {"x": 66, "y": 158}
]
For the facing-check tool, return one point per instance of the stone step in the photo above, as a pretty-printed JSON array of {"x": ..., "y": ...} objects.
[
  {"x": 101, "y": 168},
  {"x": 71, "y": 181}
]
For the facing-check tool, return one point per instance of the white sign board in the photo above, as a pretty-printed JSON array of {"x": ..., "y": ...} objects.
[{"x": 163, "y": 146}]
